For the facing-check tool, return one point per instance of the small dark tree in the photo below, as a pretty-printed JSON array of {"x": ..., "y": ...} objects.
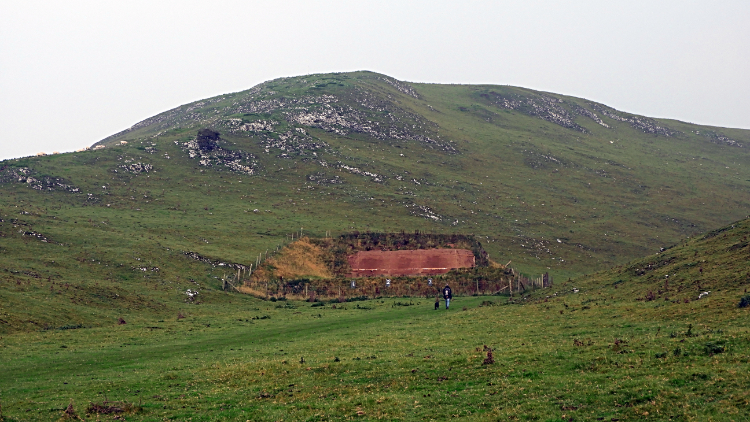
[{"x": 207, "y": 139}]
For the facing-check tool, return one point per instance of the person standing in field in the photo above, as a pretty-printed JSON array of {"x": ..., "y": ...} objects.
[{"x": 447, "y": 295}]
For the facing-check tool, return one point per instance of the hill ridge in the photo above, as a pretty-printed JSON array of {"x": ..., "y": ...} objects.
[{"x": 541, "y": 104}]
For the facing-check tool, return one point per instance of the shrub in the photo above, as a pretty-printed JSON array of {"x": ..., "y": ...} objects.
[
  {"x": 207, "y": 139},
  {"x": 490, "y": 359},
  {"x": 70, "y": 327},
  {"x": 109, "y": 408},
  {"x": 69, "y": 413},
  {"x": 714, "y": 348},
  {"x": 744, "y": 302},
  {"x": 689, "y": 332}
]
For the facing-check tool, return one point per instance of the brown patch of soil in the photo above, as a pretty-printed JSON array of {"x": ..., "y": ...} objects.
[{"x": 409, "y": 262}]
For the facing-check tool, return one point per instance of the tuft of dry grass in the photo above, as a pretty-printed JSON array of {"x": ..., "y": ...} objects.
[
  {"x": 494, "y": 264},
  {"x": 109, "y": 408},
  {"x": 298, "y": 259},
  {"x": 69, "y": 414},
  {"x": 252, "y": 292}
]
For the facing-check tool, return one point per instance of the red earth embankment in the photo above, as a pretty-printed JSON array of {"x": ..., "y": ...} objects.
[{"x": 409, "y": 262}]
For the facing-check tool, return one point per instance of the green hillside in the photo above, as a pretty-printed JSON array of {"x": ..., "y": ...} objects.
[
  {"x": 714, "y": 264},
  {"x": 546, "y": 181},
  {"x": 595, "y": 348}
]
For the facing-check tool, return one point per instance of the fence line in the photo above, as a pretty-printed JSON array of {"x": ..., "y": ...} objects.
[{"x": 462, "y": 284}]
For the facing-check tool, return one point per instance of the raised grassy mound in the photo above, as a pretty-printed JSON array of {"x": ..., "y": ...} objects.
[
  {"x": 324, "y": 267},
  {"x": 409, "y": 262}
]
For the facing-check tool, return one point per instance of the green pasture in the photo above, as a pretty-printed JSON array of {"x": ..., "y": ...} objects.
[{"x": 573, "y": 356}]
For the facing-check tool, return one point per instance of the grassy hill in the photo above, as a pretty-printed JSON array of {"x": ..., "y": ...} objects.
[
  {"x": 715, "y": 264},
  {"x": 546, "y": 181},
  {"x": 594, "y": 348}
]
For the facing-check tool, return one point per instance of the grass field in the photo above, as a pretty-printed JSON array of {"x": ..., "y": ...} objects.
[
  {"x": 617, "y": 345},
  {"x": 578, "y": 356},
  {"x": 594, "y": 348}
]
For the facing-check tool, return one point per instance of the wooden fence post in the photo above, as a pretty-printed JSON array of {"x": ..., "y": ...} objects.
[{"x": 510, "y": 286}]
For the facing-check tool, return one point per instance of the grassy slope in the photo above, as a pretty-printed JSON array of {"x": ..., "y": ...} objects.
[
  {"x": 559, "y": 354},
  {"x": 613, "y": 194},
  {"x": 646, "y": 191},
  {"x": 597, "y": 353},
  {"x": 717, "y": 262}
]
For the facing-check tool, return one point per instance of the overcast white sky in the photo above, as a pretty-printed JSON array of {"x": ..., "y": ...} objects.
[{"x": 73, "y": 72}]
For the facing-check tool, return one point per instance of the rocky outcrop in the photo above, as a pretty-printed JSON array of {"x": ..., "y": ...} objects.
[
  {"x": 644, "y": 124},
  {"x": 561, "y": 112},
  {"x": 234, "y": 160},
  {"x": 719, "y": 139},
  {"x": 35, "y": 181},
  {"x": 544, "y": 107},
  {"x": 402, "y": 87},
  {"x": 274, "y": 118},
  {"x": 590, "y": 114},
  {"x": 135, "y": 168}
]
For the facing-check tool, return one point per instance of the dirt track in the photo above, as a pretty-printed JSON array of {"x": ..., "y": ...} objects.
[{"x": 413, "y": 262}]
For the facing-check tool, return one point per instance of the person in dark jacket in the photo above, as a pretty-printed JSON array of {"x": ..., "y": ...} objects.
[{"x": 447, "y": 295}]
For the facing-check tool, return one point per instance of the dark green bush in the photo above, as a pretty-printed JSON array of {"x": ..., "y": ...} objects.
[
  {"x": 207, "y": 139},
  {"x": 714, "y": 348}
]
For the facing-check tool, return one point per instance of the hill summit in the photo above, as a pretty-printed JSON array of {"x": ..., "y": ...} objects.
[{"x": 566, "y": 183}]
